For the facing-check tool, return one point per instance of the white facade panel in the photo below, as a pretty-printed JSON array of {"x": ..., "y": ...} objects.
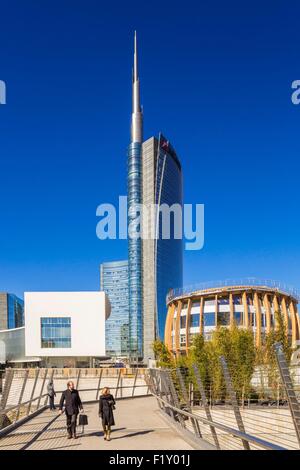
[
  {"x": 195, "y": 310},
  {"x": 87, "y": 311},
  {"x": 209, "y": 309}
]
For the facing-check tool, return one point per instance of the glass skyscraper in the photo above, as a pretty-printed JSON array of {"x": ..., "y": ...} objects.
[
  {"x": 162, "y": 261},
  {"x": 155, "y": 266},
  {"x": 114, "y": 281},
  {"x": 134, "y": 199},
  {"x": 137, "y": 290},
  {"x": 11, "y": 311}
]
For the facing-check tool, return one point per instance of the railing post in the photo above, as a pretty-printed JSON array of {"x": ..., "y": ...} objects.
[
  {"x": 118, "y": 382},
  {"x": 165, "y": 391},
  {"x": 78, "y": 378},
  {"x": 155, "y": 385},
  {"x": 134, "y": 383},
  {"x": 234, "y": 402},
  {"x": 205, "y": 405},
  {"x": 121, "y": 386},
  {"x": 182, "y": 385},
  {"x": 9, "y": 376},
  {"x": 289, "y": 388},
  {"x": 33, "y": 390},
  {"x": 42, "y": 389},
  {"x": 174, "y": 395},
  {"x": 99, "y": 384},
  {"x": 21, "y": 394}
]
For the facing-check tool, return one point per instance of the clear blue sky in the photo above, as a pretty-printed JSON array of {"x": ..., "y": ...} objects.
[{"x": 216, "y": 79}]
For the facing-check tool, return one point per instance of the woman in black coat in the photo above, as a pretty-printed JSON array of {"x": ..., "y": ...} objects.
[{"x": 106, "y": 407}]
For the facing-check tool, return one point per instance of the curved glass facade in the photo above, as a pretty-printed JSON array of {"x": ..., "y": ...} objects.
[
  {"x": 169, "y": 253},
  {"x": 162, "y": 258},
  {"x": 135, "y": 252},
  {"x": 114, "y": 281}
]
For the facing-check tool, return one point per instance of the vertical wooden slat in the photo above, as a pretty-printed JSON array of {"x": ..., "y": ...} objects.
[
  {"x": 276, "y": 309},
  {"x": 245, "y": 319},
  {"x": 216, "y": 310},
  {"x": 232, "y": 322},
  {"x": 258, "y": 319},
  {"x": 268, "y": 313},
  {"x": 169, "y": 324},
  {"x": 294, "y": 322},
  {"x": 285, "y": 314},
  {"x": 201, "y": 319},
  {"x": 177, "y": 328},
  {"x": 187, "y": 325}
]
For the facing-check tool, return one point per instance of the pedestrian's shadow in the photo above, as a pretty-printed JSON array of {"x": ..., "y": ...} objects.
[
  {"x": 97, "y": 433},
  {"x": 133, "y": 434}
]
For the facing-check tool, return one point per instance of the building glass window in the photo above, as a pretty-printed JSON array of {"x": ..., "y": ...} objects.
[
  {"x": 209, "y": 319},
  {"x": 182, "y": 321},
  {"x": 182, "y": 340},
  {"x": 237, "y": 318},
  {"x": 194, "y": 320},
  {"x": 56, "y": 332},
  {"x": 223, "y": 301},
  {"x": 208, "y": 336},
  {"x": 237, "y": 300},
  {"x": 223, "y": 318},
  {"x": 191, "y": 338}
]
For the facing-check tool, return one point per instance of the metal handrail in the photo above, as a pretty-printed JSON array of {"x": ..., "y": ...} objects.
[
  {"x": 234, "y": 432},
  {"x": 243, "y": 282},
  {"x": 12, "y": 407}
]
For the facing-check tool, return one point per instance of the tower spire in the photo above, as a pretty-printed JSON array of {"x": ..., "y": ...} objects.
[
  {"x": 137, "y": 116},
  {"x": 135, "y": 73}
]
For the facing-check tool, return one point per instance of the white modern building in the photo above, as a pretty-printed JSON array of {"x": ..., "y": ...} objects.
[{"x": 66, "y": 329}]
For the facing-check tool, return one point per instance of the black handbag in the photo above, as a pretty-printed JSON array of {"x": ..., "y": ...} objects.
[{"x": 83, "y": 420}]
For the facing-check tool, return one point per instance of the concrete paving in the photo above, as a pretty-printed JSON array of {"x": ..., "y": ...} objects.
[{"x": 138, "y": 427}]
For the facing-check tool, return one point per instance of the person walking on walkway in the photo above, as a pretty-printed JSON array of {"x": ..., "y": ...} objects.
[
  {"x": 106, "y": 407},
  {"x": 51, "y": 394},
  {"x": 73, "y": 404}
]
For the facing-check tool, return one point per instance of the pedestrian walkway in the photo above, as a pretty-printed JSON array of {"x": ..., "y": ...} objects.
[{"x": 138, "y": 427}]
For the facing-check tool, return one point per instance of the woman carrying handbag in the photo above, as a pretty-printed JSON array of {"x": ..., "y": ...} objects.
[{"x": 106, "y": 407}]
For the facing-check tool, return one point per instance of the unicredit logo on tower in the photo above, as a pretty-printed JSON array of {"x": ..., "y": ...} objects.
[
  {"x": 152, "y": 222},
  {"x": 2, "y": 92}
]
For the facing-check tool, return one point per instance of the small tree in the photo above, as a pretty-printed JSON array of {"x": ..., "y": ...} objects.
[
  {"x": 198, "y": 356},
  {"x": 277, "y": 335},
  {"x": 268, "y": 355},
  {"x": 162, "y": 354},
  {"x": 237, "y": 347}
]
